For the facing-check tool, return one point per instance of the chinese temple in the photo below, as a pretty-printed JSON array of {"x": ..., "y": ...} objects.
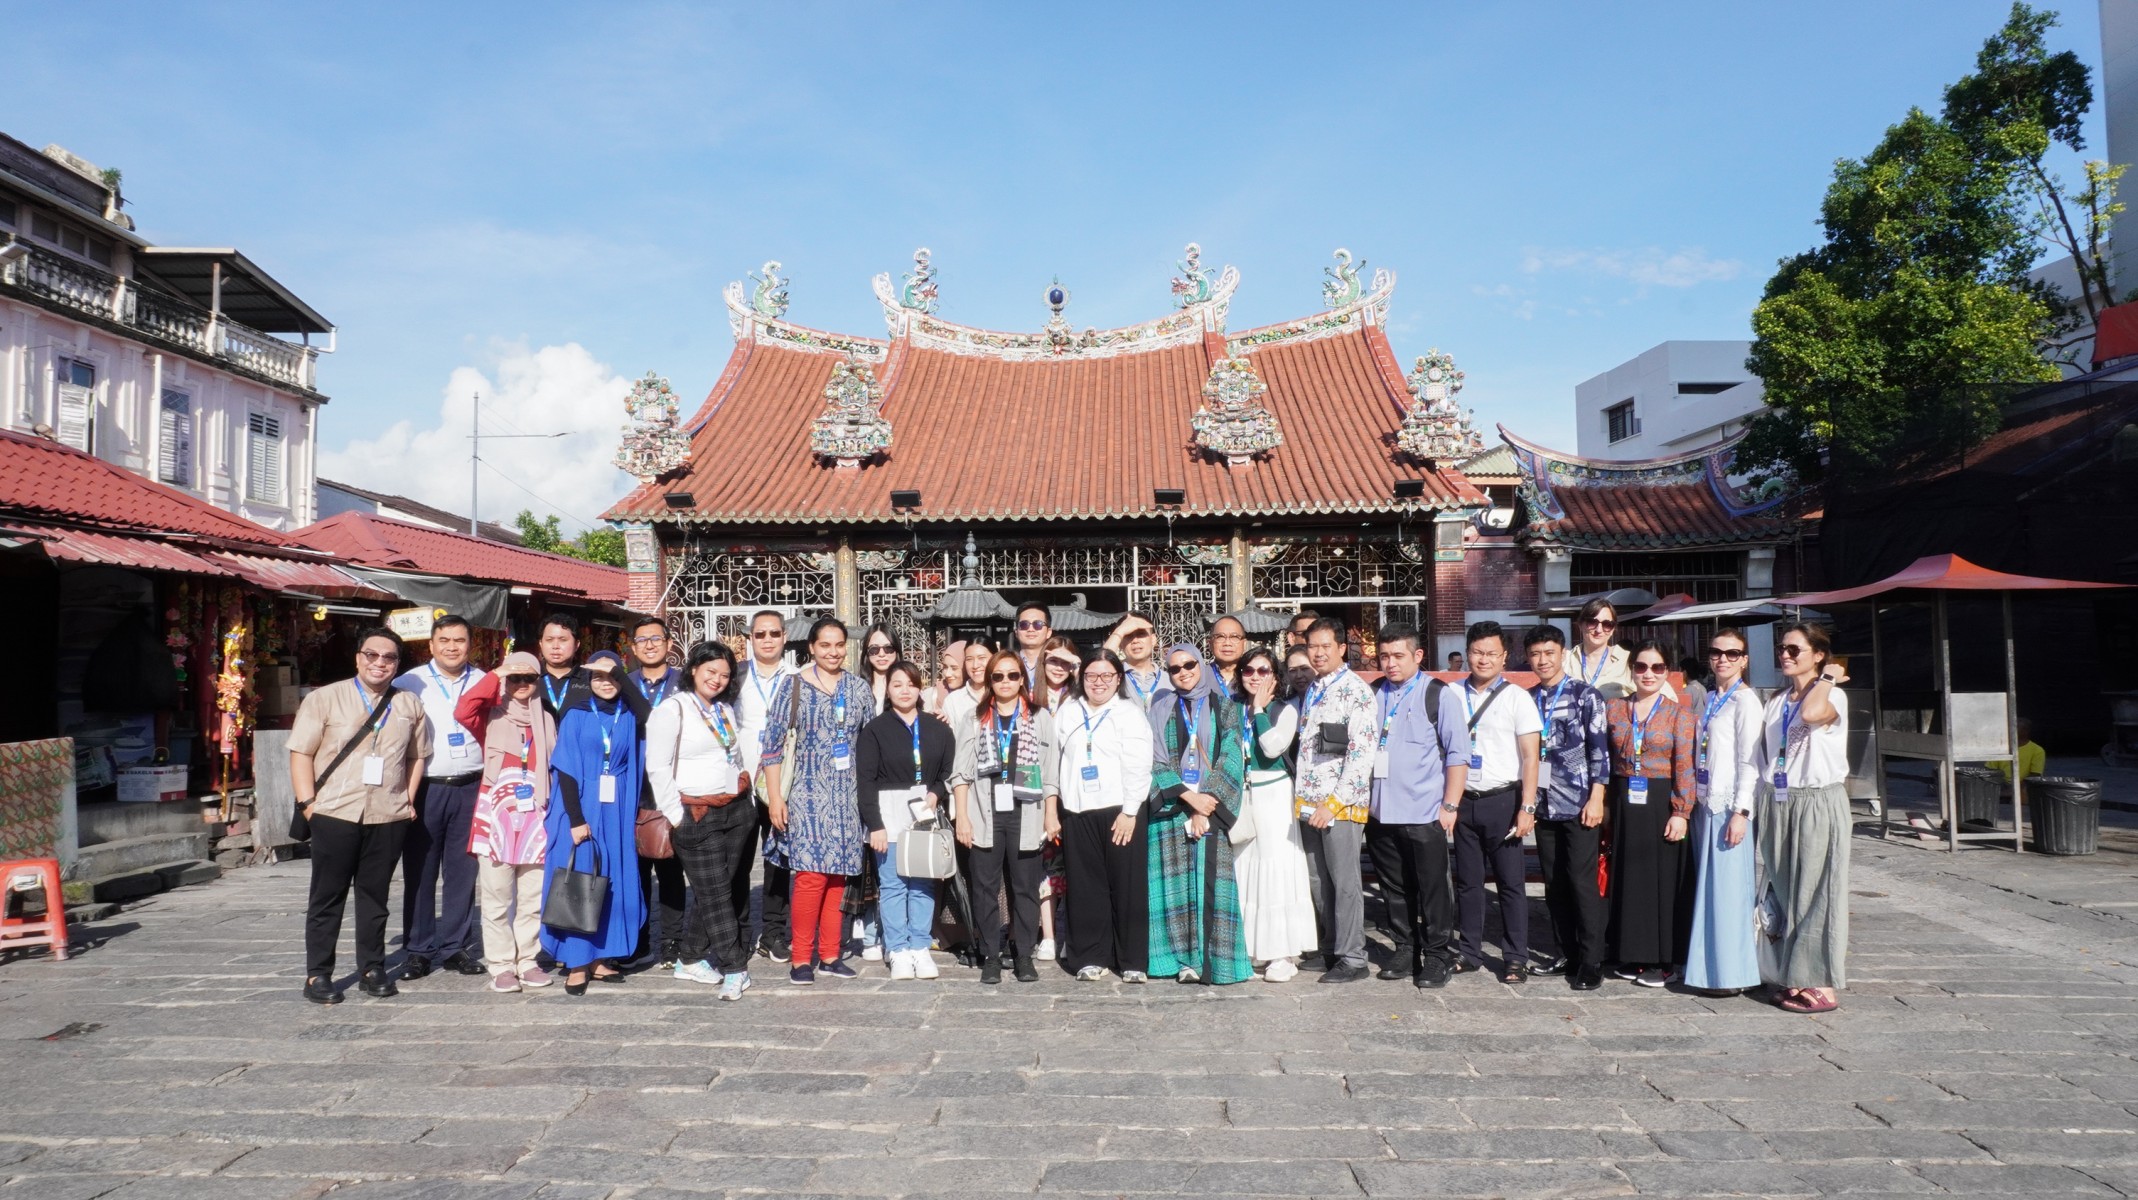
[{"x": 1176, "y": 466}]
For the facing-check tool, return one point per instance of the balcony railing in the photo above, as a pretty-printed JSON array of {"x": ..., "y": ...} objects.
[{"x": 160, "y": 317}]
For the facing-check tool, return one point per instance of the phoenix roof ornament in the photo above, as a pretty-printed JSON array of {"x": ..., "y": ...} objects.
[
  {"x": 769, "y": 300},
  {"x": 1192, "y": 286},
  {"x": 918, "y": 293},
  {"x": 1341, "y": 283}
]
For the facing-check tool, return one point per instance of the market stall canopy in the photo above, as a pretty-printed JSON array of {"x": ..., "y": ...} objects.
[
  {"x": 1624, "y": 601},
  {"x": 1733, "y": 612},
  {"x": 482, "y": 604},
  {"x": 385, "y": 544},
  {"x": 1943, "y": 573}
]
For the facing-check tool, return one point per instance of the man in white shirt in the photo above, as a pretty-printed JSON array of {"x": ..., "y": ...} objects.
[
  {"x": 763, "y": 676},
  {"x": 1035, "y": 624},
  {"x": 1332, "y": 796},
  {"x": 1499, "y": 805},
  {"x": 437, "y": 845},
  {"x": 1135, "y": 639}
]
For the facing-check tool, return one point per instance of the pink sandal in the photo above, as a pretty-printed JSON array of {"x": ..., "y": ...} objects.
[{"x": 1805, "y": 1001}]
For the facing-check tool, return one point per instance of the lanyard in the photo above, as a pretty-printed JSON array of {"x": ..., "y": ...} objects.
[
  {"x": 1195, "y": 727},
  {"x": 527, "y": 746},
  {"x": 1395, "y": 701},
  {"x": 1789, "y": 716},
  {"x": 1091, "y": 731},
  {"x": 607, "y": 736},
  {"x": 1640, "y": 729},
  {"x": 1551, "y": 707},
  {"x": 764, "y": 696},
  {"x": 1714, "y": 705},
  {"x": 367, "y": 701},
  {"x": 914, "y": 727},
  {"x": 1004, "y": 738},
  {"x": 1469, "y": 699},
  {"x": 716, "y": 723},
  {"x": 462, "y": 680},
  {"x": 1590, "y": 675},
  {"x": 1143, "y": 694},
  {"x": 655, "y": 693},
  {"x": 1315, "y": 693},
  {"x": 556, "y": 698},
  {"x": 838, "y": 701}
]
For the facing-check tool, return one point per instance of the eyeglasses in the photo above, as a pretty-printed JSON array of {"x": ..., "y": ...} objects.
[
  {"x": 1101, "y": 676},
  {"x": 768, "y": 633},
  {"x": 1600, "y": 623},
  {"x": 1789, "y": 651},
  {"x": 1006, "y": 676},
  {"x": 651, "y": 639},
  {"x": 1258, "y": 669},
  {"x": 1031, "y": 624},
  {"x": 1650, "y": 669},
  {"x": 1181, "y": 668},
  {"x": 881, "y": 649},
  {"x": 373, "y": 656},
  {"x": 1725, "y": 655}
]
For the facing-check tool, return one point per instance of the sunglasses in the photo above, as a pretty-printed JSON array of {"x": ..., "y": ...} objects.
[
  {"x": 1725, "y": 655},
  {"x": 1650, "y": 669},
  {"x": 768, "y": 633},
  {"x": 1031, "y": 624},
  {"x": 1789, "y": 651},
  {"x": 1600, "y": 623},
  {"x": 1256, "y": 670},
  {"x": 1006, "y": 676},
  {"x": 883, "y": 649},
  {"x": 1182, "y": 668},
  {"x": 374, "y": 656}
]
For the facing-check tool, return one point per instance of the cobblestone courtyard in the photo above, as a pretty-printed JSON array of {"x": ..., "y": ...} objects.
[{"x": 1987, "y": 1045}]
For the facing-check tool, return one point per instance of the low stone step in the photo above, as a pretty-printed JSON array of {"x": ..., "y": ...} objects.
[
  {"x": 112, "y": 821},
  {"x": 127, "y": 855},
  {"x": 120, "y": 887}
]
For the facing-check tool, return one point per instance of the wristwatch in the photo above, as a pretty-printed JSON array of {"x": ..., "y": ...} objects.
[
  {"x": 1529, "y": 810},
  {"x": 1825, "y": 678},
  {"x": 1746, "y": 813}
]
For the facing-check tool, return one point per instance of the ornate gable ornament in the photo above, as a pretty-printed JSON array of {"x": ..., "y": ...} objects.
[
  {"x": 1233, "y": 422},
  {"x": 1434, "y": 429},
  {"x": 769, "y": 298},
  {"x": 1193, "y": 285},
  {"x": 851, "y": 429},
  {"x": 919, "y": 293},
  {"x": 1340, "y": 284},
  {"x": 652, "y": 443}
]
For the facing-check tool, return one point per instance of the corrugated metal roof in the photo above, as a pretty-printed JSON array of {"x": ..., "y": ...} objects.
[
  {"x": 374, "y": 541},
  {"x": 42, "y": 478},
  {"x": 117, "y": 550}
]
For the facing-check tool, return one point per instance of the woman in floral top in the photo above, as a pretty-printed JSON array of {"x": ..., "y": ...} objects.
[{"x": 1654, "y": 747}]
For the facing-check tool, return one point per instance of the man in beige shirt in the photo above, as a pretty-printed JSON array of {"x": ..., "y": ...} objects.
[{"x": 359, "y": 813}]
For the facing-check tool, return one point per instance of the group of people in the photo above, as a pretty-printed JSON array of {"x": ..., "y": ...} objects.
[{"x": 1129, "y": 811}]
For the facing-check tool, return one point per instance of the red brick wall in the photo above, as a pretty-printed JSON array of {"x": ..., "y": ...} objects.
[
  {"x": 1500, "y": 576},
  {"x": 1450, "y": 600}
]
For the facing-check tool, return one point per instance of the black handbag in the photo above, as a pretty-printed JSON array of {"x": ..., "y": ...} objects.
[
  {"x": 577, "y": 899},
  {"x": 300, "y": 824}
]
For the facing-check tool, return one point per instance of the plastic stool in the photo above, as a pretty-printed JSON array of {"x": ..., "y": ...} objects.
[{"x": 27, "y": 875}]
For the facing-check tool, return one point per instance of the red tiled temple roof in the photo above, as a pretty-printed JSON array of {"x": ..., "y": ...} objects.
[
  {"x": 986, "y": 427},
  {"x": 373, "y": 541},
  {"x": 1680, "y": 503}
]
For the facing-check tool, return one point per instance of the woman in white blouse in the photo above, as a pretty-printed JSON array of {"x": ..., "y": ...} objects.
[
  {"x": 1096, "y": 812},
  {"x": 1720, "y": 958},
  {"x": 1276, "y": 895},
  {"x": 695, "y": 766},
  {"x": 1805, "y": 827}
]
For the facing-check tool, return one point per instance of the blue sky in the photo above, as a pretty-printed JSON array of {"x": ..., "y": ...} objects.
[{"x": 543, "y": 201}]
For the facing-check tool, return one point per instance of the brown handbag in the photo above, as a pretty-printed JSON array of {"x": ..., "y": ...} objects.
[{"x": 653, "y": 835}]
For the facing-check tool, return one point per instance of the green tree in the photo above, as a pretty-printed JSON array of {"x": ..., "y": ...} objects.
[
  {"x": 604, "y": 546},
  {"x": 1917, "y": 306}
]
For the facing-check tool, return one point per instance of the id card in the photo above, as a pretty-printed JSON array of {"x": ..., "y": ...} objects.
[
  {"x": 1192, "y": 776},
  {"x": 456, "y": 739},
  {"x": 1477, "y": 762},
  {"x": 1544, "y": 777},
  {"x": 523, "y": 797},
  {"x": 1700, "y": 776},
  {"x": 374, "y": 770},
  {"x": 1781, "y": 785},
  {"x": 608, "y": 789},
  {"x": 1637, "y": 790},
  {"x": 1380, "y": 764},
  {"x": 1090, "y": 776},
  {"x": 1005, "y": 797},
  {"x": 842, "y": 756}
]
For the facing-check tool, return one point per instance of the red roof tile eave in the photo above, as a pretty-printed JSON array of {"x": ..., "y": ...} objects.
[{"x": 672, "y": 517}]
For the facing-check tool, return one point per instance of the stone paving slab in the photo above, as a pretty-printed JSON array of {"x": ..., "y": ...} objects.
[{"x": 1989, "y": 1045}]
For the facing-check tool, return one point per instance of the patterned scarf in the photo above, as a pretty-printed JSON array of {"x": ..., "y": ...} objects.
[{"x": 1024, "y": 752}]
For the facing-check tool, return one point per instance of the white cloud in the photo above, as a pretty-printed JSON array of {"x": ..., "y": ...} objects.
[
  {"x": 1648, "y": 266},
  {"x": 556, "y": 389}
]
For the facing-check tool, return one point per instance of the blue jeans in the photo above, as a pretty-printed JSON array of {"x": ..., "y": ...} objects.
[{"x": 907, "y": 905}]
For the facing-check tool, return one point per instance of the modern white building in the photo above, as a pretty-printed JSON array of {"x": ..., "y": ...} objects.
[
  {"x": 190, "y": 366},
  {"x": 1668, "y": 401}
]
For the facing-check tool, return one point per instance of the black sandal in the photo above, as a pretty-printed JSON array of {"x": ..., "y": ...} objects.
[{"x": 1513, "y": 972}]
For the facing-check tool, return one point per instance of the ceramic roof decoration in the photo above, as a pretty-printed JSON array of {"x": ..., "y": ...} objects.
[
  {"x": 1678, "y": 503},
  {"x": 1434, "y": 429},
  {"x": 652, "y": 444},
  {"x": 1233, "y": 424},
  {"x": 976, "y": 410}
]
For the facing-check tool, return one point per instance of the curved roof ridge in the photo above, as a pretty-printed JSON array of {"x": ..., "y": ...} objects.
[{"x": 1627, "y": 465}]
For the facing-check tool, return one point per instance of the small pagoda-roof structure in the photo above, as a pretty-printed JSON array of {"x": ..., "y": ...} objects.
[{"x": 1685, "y": 502}]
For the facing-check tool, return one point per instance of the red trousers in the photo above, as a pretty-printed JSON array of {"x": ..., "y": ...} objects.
[{"x": 818, "y": 925}]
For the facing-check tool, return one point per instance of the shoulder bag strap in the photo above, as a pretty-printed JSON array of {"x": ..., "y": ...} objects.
[
  {"x": 1478, "y": 715},
  {"x": 320, "y": 780}
]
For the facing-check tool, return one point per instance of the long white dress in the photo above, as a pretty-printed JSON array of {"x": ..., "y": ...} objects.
[{"x": 1276, "y": 898}]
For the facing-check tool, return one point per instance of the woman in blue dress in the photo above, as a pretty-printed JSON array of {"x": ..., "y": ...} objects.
[
  {"x": 595, "y": 770},
  {"x": 813, "y": 801},
  {"x": 1721, "y": 958}
]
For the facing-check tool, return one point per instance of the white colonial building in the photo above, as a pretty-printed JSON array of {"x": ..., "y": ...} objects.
[
  {"x": 190, "y": 366},
  {"x": 1670, "y": 400}
]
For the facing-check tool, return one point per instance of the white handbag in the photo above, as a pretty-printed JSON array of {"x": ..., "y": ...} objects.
[{"x": 927, "y": 851}]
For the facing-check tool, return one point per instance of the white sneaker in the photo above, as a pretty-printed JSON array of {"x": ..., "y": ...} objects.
[
  {"x": 901, "y": 964},
  {"x": 732, "y": 987},
  {"x": 872, "y": 953},
  {"x": 924, "y": 965},
  {"x": 1046, "y": 950},
  {"x": 697, "y": 972},
  {"x": 1134, "y": 977},
  {"x": 1092, "y": 973},
  {"x": 1280, "y": 970}
]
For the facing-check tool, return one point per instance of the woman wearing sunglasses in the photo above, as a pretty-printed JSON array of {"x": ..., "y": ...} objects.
[
  {"x": 879, "y": 649},
  {"x": 1059, "y": 666},
  {"x": 1197, "y": 788},
  {"x": 1720, "y": 958},
  {"x": 1276, "y": 895},
  {"x": 1102, "y": 780},
  {"x": 1653, "y": 751},
  {"x": 1804, "y": 828},
  {"x": 1597, "y": 662},
  {"x": 1005, "y": 770}
]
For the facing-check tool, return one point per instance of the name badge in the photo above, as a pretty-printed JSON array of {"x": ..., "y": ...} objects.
[
  {"x": 1781, "y": 784},
  {"x": 608, "y": 789},
  {"x": 523, "y": 797},
  {"x": 1380, "y": 764},
  {"x": 374, "y": 770},
  {"x": 456, "y": 739},
  {"x": 1005, "y": 797},
  {"x": 1544, "y": 775},
  {"x": 842, "y": 756},
  {"x": 1700, "y": 776},
  {"x": 1090, "y": 776},
  {"x": 1477, "y": 762},
  {"x": 1192, "y": 776},
  {"x": 1637, "y": 790}
]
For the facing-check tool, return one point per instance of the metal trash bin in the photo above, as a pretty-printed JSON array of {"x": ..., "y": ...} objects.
[
  {"x": 1976, "y": 801},
  {"x": 2067, "y": 814}
]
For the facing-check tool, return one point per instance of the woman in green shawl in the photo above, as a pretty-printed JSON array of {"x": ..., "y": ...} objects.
[{"x": 1196, "y": 794}]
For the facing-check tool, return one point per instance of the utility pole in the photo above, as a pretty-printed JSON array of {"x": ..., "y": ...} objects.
[{"x": 475, "y": 460}]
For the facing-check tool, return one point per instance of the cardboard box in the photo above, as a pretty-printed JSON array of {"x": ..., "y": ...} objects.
[
  {"x": 277, "y": 675},
  {"x": 278, "y": 701},
  {"x": 152, "y": 785}
]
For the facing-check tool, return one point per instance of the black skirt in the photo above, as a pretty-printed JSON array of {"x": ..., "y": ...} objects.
[{"x": 1650, "y": 910}]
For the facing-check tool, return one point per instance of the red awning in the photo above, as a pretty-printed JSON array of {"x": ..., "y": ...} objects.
[
  {"x": 2115, "y": 334},
  {"x": 1943, "y": 573},
  {"x": 116, "y": 550},
  {"x": 322, "y": 579}
]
